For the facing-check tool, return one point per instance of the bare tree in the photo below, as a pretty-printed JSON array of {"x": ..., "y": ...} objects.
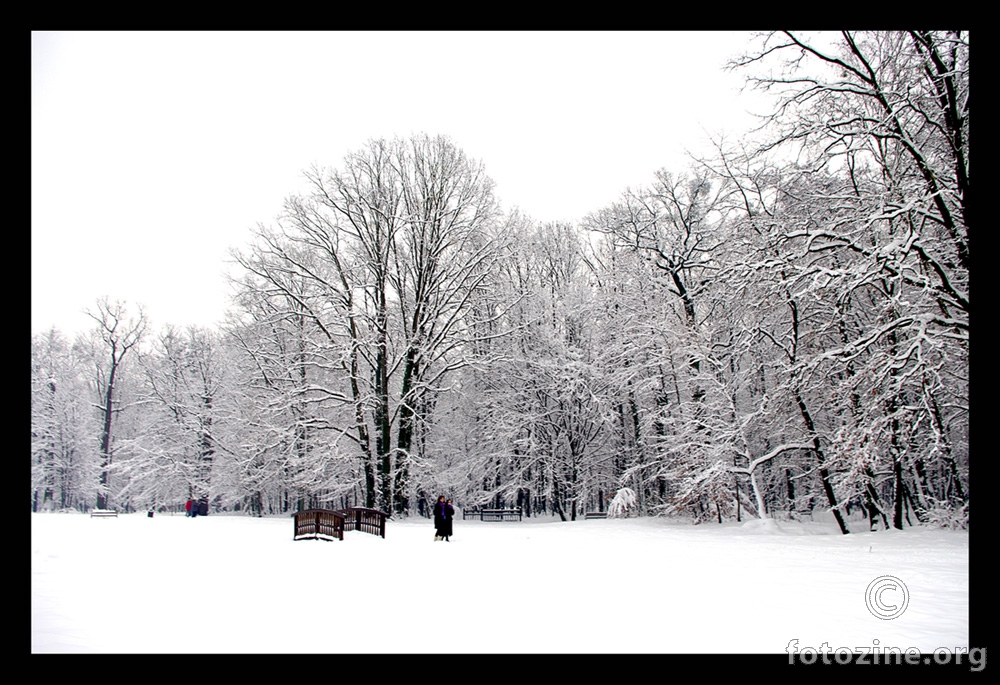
[
  {"x": 383, "y": 260},
  {"x": 120, "y": 333},
  {"x": 178, "y": 446},
  {"x": 866, "y": 231},
  {"x": 64, "y": 455}
]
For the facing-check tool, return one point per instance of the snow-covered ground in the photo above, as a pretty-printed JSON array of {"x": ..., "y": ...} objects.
[{"x": 234, "y": 584}]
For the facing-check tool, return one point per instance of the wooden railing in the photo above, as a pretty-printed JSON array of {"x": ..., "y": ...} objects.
[
  {"x": 318, "y": 524},
  {"x": 327, "y": 524},
  {"x": 366, "y": 520}
]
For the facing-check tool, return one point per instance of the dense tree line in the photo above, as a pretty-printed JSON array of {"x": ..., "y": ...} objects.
[{"x": 780, "y": 329}]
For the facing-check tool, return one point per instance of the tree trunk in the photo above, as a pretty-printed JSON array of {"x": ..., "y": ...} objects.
[
  {"x": 823, "y": 471},
  {"x": 407, "y": 420},
  {"x": 102, "y": 496}
]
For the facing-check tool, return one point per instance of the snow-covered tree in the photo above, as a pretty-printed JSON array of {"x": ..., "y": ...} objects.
[
  {"x": 116, "y": 334},
  {"x": 624, "y": 502},
  {"x": 64, "y": 456},
  {"x": 382, "y": 261},
  {"x": 179, "y": 441},
  {"x": 861, "y": 248}
]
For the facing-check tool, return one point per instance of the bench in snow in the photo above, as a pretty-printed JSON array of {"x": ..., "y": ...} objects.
[
  {"x": 595, "y": 515},
  {"x": 101, "y": 513},
  {"x": 492, "y": 514}
]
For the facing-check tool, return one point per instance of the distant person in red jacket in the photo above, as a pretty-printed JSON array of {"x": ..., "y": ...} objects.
[{"x": 188, "y": 506}]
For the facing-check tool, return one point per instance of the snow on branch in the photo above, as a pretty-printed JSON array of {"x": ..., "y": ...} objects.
[{"x": 770, "y": 455}]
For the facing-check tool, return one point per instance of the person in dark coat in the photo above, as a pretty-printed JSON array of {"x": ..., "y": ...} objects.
[
  {"x": 449, "y": 522},
  {"x": 441, "y": 519}
]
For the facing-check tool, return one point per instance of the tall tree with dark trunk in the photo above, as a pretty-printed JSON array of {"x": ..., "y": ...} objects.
[
  {"x": 120, "y": 333},
  {"x": 443, "y": 266},
  {"x": 391, "y": 252}
]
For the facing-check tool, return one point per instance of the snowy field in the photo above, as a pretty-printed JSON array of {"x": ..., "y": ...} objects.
[{"x": 234, "y": 584}]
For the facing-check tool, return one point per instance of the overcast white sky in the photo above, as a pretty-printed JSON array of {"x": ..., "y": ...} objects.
[{"x": 153, "y": 154}]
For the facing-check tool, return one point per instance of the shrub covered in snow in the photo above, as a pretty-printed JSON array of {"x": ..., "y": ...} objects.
[
  {"x": 624, "y": 501},
  {"x": 944, "y": 515}
]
